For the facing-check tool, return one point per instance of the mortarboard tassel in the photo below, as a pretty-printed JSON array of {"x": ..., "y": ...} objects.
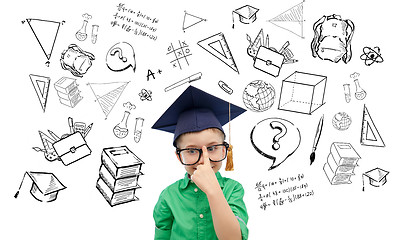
[
  {"x": 18, "y": 191},
  {"x": 230, "y": 164}
]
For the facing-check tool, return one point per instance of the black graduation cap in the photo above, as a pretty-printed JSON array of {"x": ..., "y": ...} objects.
[
  {"x": 247, "y": 14},
  {"x": 45, "y": 186},
  {"x": 195, "y": 110}
]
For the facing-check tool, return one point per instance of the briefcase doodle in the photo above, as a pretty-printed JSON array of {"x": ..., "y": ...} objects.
[
  {"x": 72, "y": 148},
  {"x": 268, "y": 61}
]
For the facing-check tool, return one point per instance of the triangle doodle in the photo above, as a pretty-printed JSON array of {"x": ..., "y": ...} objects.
[
  {"x": 369, "y": 133},
  {"x": 190, "y": 20},
  {"x": 291, "y": 20},
  {"x": 41, "y": 86},
  {"x": 218, "y": 47},
  {"x": 45, "y": 32},
  {"x": 107, "y": 94}
]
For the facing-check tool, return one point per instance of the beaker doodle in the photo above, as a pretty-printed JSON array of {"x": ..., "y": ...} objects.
[
  {"x": 94, "y": 35},
  {"x": 347, "y": 93},
  {"x": 81, "y": 34},
  {"x": 138, "y": 129},
  {"x": 121, "y": 130},
  {"x": 360, "y": 93}
]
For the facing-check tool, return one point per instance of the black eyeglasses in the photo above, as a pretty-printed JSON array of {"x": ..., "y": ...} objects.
[{"x": 191, "y": 156}]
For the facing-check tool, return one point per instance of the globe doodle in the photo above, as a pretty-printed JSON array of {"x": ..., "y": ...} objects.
[
  {"x": 341, "y": 121},
  {"x": 258, "y": 96}
]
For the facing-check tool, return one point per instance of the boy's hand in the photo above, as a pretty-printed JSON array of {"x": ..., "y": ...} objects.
[{"x": 204, "y": 177}]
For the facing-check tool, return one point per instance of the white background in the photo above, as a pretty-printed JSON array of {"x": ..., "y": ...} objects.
[{"x": 80, "y": 211}]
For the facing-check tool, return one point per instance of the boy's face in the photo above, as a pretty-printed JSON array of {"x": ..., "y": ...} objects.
[{"x": 206, "y": 138}]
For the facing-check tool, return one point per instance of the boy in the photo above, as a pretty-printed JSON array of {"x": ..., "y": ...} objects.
[{"x": 203, "y": 205}]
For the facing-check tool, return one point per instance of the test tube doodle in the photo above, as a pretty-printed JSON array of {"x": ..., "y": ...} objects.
[
  {"x": 94, "y": 35},
  {"x": 347, "y": 93},
  {"x": 138, "y": 129}
]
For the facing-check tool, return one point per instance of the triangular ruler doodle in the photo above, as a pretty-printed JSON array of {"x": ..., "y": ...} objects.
[
  {"x": 291, "y": 20},
  {"x": 218, "y": 47},
  {"x": 41, "y": 85},
  {"x": 45, "y": 32},
  {"x": 107, "y": 94},
  {"x": 191, "y": 20},
  {"x": 369, "y": 133}
]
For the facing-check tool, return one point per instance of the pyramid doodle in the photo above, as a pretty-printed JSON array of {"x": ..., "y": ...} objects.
[
  {"x": 190, "y": 20},
  {"x": 291, "y": 20},
  {"x": 107, "y": 94}
]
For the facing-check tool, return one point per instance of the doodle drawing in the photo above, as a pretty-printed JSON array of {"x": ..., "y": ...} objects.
[
  {"x": 225, "y": 87},
  {"x": 45, "y": 31},
  {"x": 332, "y": 38},
  {"x": 291, "y": 20},
  {"x": 138, "y": 129},
  {"x": 316, "y": 139},
  {"x": 285, "y": 139},
  {"x": 45, "y": 186},
  {"x": 41, "y": 86},
  {"x": 377, "y": 177},
  {"x": 68, "y": 92},
  {"x": 76, "y": 60},
  {"x": 371, "y": 55},
  {"x": 302, "y": 92},
  {"x": 341, "y": 163},
  {"x": 120, "y": 57},
  {"x": 72, "y": 148},
  {"x": 179, "y": 53},
  {"x": 145, "y": 95},
  {"x": 107, "y": 94},
  {"x": 369, "y": 133},
  {"x": 218, "y": 47},
  {"x": 48, "y": 149},
  {"x": 341, "y": 121},
  {"x": 118, "y": 175},
  {"x": 120, "y": 130},
  {"x": 94, "y": 34},
  {"x": 191, "y": 20},
  {"x": 247, "y": 14},
  {"x": 189, "y": 79},
  {"x": 347, "y": 94},
  {"x": 258, "y": 96}
]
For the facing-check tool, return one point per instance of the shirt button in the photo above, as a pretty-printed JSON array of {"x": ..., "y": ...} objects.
[
  {"x": 195, "y": 190},
  {"x": 201, "y": 215}
]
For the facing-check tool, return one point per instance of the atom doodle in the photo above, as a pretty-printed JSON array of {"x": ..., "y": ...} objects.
[{"x": 371, "y": 55}]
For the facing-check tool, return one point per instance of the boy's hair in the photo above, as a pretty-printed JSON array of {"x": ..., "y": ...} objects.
[{"x": 212, "y": 129}]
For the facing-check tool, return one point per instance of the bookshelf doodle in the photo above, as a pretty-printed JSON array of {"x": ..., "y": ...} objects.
[{"x": 68, "y": 92}]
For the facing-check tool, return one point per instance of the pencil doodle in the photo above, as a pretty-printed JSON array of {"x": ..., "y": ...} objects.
[
  {"x": 332, "y": 38},
  {"x": 369, "y": 133},
  {"x": 151, "y": 74},
  {"x": 81, "y": 34},
  {"x": 225, "y": 87},
  {"x": 45, "y": 32},
  {"x": 179, "y": 53},
  {"x": 258, "y": 96},
  {"x": 316, "y": 139},
  {"x": 68, "y": 92},
  {"x": 145, "y": 95},
  {"x": 247, "y": 14},
  {"x": 45, "y": 186},
  {"x": 347, "y": 94},
  {"x": 341, "y": 163},
  {"x": 268, "y": 59},
  {"x": 371, "y": 55},
  {"x": 217, "y": 46},
  {"x": 189, "y": 79},
  {"x": 138, "y": 129},
  {"x": 191, "y": 20},
  {"x": 120, "y": 57},
  {"x": 291, "y": 20},
  {"x": 76, "y": 60},
  {"x": 341, "y": 121},
  {"x": 120, "y": 130},
  {"x": 285, "y": 139},
  {"x": 107, "y": 94},
  {"x": 377, "y": 177},
  {"x": 119, "y": 175},
  {"x": 69, "y": 147},
  {"x": 302, "y": 92},
  {"x": 41, "y": 86}
]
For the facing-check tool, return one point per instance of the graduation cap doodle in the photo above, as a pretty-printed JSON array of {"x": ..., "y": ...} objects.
[
  {"x": 45, "y": 186},
  {"x": 195, "y": 110},
  {"x": 247, "y": 14},
  {"x": 377, "y": 177}
]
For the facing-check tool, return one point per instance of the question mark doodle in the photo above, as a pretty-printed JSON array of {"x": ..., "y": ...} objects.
[
  {"x": 282, "y": 128},
  {"x": 120, "y": 54}
]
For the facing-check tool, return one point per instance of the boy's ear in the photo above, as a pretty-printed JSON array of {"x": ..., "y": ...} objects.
[{"x": 178, "y": 157}]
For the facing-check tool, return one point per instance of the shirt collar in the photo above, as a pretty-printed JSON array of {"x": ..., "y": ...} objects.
[{"x": 186, "y": 180}]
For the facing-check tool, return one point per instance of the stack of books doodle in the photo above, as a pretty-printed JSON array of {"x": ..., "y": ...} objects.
[
  {"x": 68, "y": 92},
  {"x": 341, "y": 163},
  {"x": 119, "y": 175}
]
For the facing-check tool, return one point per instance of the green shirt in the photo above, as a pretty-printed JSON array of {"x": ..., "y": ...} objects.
[{"x": 183, "y": 211}]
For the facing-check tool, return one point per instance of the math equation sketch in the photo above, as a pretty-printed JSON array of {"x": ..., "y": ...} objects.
[{"x": 319, "y": 146}]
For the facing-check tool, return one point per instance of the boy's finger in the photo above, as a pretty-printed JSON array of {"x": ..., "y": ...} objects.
[{"x": 205, "y": 155}]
